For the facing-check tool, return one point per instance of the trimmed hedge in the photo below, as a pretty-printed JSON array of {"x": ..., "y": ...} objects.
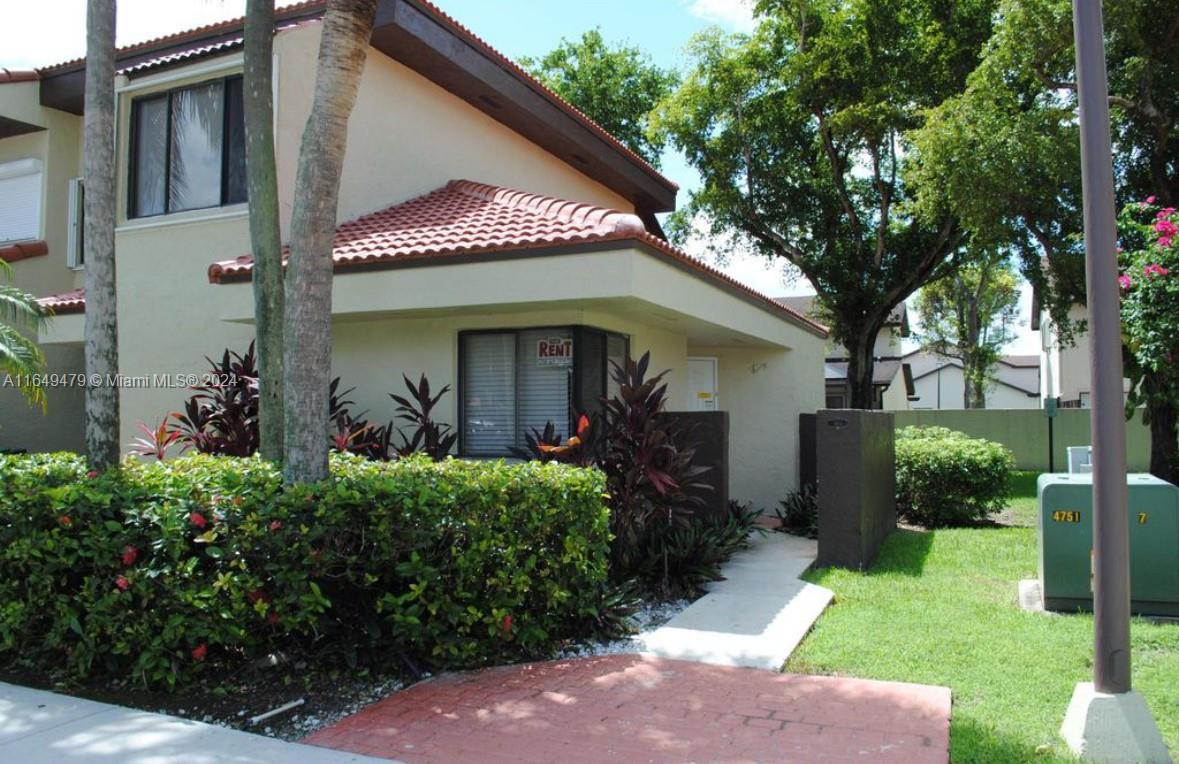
[
  {"x": 158, "y": 570},
  {"x": 946, "y": 478}
]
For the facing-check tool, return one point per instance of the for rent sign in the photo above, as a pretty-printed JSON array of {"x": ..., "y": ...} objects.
[{"x": 555, "y": 351}]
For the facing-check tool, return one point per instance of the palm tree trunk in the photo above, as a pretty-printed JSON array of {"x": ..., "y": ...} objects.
[
  {"x": 307, "y": 339},
  {"x": 102, "y": 325},
  {"x": 265, "y": 239}
]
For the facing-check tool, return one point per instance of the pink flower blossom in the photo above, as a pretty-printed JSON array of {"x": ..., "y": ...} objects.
[
  {"x": 1154, "y": 269},
  {"x": 1165, "y": 241},
  {"x": 130, "y": 554},
  {"x": 199, "y": 652},
  {"x": 1166, "y": 228},
  {"x": 122, "y": 583},
  {"x": 197, "y": 519},
  {"x": 1125, "y": 282},
  {"x": 1150, "y": 200}
]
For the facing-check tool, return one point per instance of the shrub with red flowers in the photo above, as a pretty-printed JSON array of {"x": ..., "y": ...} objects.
[
  {"x": 1149, "y": 283},
  {"x": 160, "y": 571}
]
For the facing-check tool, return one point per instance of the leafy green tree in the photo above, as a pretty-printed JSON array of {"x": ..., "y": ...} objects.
[
  {"x": 1005, "y": 155},
  {"x": 614, "y": 85},
  {"x": 969, "y": 315},
  {"x": 800, "y": 135},
  {"x": 1149, "y": 281},
  {"x": 20, "y": 358}
]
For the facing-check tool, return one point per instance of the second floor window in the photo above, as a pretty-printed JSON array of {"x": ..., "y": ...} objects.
[{"x": 188, "y": 149}]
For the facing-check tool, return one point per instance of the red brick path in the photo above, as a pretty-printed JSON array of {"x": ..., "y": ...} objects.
[{"x": 628, "y": 708}]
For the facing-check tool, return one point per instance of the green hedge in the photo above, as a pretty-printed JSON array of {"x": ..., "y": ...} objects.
[
  {"x": 159, "y": 570},
  {"x": 946, "y": 478}
]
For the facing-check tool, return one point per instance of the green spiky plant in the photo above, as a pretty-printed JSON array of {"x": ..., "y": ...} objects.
[{"x": 20, "y": 358}]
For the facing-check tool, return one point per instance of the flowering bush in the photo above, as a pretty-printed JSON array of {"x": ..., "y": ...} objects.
[
  {"x": 1149, "y": 282},
  {"x": 160, "y": 570}
]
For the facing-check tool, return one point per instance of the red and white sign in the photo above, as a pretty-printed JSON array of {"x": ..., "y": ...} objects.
[{"x": 555, "y": 351}]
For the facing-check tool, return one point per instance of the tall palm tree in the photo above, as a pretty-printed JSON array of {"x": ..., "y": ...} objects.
[
  {"x": 20, "y": 358},
  {"x": 98, "y": 159},
  {"x": 307, "y": 328}
]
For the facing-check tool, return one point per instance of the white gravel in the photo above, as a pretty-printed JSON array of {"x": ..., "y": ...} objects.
[{"x": 649, "y": 617}]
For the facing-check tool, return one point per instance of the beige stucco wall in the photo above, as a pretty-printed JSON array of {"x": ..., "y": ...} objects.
[
  {"x": 407, "y": 136},
  {"x": 764, "y": 390},
  {"x": 58, "y": 147}
]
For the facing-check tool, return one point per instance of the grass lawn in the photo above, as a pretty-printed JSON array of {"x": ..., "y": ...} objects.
[{"x": 940, "y": 608}]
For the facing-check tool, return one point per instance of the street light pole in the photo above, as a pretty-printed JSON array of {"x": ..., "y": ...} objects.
[{"x": 1111, "y": 542}]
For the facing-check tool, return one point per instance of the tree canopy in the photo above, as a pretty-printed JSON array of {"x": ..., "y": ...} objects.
[
  {"x": 969, "y": 314},
  {"x": 614, "y": 85},
  {"x": 800, "y": 134},
  {"x": 1004, "y": 155}
]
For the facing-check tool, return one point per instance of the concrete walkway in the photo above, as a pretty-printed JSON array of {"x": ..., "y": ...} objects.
[
  {"x": 635, "y": 708},
  {"x": 756, "y": 616},
  {"x": 37, "y": 726}
]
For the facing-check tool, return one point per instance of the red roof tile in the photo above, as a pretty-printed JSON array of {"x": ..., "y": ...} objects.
[
  {"x": 465, "y": 217},
  {"x": 23, "y": 251},
  {"x": 18, "y": 75},
  {"x": 62, "y": 304}
]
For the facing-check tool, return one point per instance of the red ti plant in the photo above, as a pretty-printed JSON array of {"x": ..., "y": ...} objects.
[
  {"x": 429, "y": 437},
  {"x": 650, "y": 470},
  {"x": 582, "y": 450},
  {"x": 156, "y": 440}
]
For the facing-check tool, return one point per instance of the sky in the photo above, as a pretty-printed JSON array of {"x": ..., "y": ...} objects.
[{"x": 51, "y": 31}]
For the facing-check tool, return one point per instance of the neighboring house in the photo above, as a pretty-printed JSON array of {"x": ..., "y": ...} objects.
[
  {"x": 939, "y": 382},
  {"x": 890, "y": 374},
  {"x": 1064, "y": 368},
  {"x": 491, "y": 237}
]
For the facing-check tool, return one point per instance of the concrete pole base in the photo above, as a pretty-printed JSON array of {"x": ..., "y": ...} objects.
[{"x": 1112, "y": 728}]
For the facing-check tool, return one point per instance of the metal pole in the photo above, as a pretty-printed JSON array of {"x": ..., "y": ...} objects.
[{"x": 1111, "y": 544}]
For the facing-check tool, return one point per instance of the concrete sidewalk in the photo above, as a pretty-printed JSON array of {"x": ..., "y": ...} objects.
[
  {"x": 753, "y": 618},
  {"x": 38, "y": 726}
]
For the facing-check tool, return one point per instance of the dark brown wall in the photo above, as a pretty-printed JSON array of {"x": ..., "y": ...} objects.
[
  {"x": 857, "y": 485},
  {"x": 708, "y": 433}
]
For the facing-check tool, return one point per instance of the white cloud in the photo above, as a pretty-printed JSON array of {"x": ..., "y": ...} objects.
[{"x": 735, "y": 14}]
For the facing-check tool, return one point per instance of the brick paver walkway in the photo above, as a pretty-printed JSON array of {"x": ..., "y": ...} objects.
[{"x": 631, "y": 708}]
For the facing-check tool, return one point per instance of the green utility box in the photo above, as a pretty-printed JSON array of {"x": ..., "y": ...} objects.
[{"x": 1065, "y": 528}]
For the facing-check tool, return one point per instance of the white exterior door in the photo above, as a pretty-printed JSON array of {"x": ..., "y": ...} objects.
[{"x": 702, "y": 378}]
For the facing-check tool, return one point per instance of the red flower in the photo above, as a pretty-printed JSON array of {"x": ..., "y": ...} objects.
[
  {"x": 64, "y": 521},
  {"x": 507, "y": 624},
  {"x": 199, "y": 652},
  {"x": 273, "y": 618},
  {"x": 130, "y": 555},
  {"x": 275, "y": 525},
  {"x": 122, "y": 583},
  {"x": 197, "y": 519},
  {"x": 92, "y": 474}
]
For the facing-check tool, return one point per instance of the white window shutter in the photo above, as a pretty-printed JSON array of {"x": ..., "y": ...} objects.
[
  {"x": 489, "y": 393},
  {"x": 20, "y": 200},
  {"x": 74, "y": 250}
]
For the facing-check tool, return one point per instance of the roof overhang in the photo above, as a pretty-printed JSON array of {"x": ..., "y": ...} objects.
[{"x": 426, "y": 40}]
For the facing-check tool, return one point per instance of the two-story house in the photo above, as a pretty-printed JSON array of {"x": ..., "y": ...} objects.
[
  {"x": 939, "y": 382},
  {"x": 483, "y": 223},
  {"x": 891, "y": 376}
]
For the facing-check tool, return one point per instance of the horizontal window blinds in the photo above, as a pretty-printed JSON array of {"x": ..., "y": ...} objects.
[
  {"x": 20, "y": 200},
  {"x": 489, "y": 393},
  {"x": 544, "y": 375}
]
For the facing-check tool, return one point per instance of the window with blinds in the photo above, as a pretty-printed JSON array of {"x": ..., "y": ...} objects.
[
  {"x": 20, "y": 200},
  {"x": 514, "y": 382}
]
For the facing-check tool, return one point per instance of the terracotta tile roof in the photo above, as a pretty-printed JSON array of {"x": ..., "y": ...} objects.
[
  {"x": 465, "y": 218},
  {"x": 17, "y": 75},
  {"x": 316, "y": 7},
  {"x": 65, "y": 303},
  {"x": 23, "y": 251}
]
